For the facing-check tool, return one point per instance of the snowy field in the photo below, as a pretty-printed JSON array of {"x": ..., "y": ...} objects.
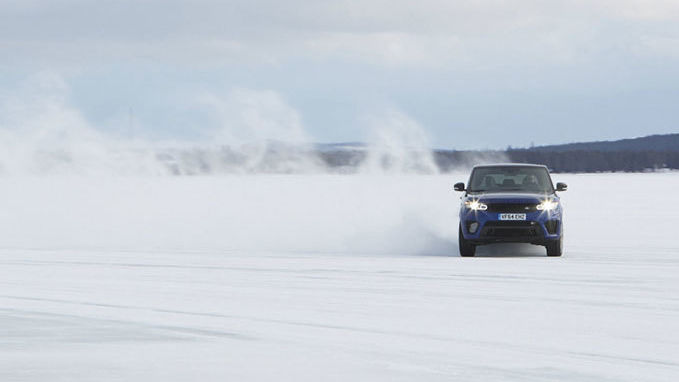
[{"x": 329, "y": 278}]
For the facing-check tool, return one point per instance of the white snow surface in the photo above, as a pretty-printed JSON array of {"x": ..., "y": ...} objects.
[{"x": 329, "y": 278}]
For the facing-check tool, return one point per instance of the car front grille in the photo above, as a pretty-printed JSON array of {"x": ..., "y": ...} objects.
[
  {"x": 511, "y": 229},
  {"x": 512, "y": 207}
]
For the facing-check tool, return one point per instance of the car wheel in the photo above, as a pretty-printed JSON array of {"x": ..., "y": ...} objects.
[
  {"x": 555, "y": 247},
  {"x": 467, "y": 249}
]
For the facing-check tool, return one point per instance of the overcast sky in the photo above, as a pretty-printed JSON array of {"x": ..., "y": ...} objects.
[{"x": 472, "y": 74}]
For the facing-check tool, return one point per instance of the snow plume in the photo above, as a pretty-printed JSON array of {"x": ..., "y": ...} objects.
[
  {"x": 42, "y": 133},
  {"x": 259, "y": 132},
  {"x": 250, "y": 115},
  {"x": 397, "y": 144},
  {"x": 248, "y": 132}
]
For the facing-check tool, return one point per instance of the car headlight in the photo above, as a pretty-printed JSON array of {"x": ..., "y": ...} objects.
[
  {"x": 548, "y": 205},
  {"x": 475, "y": 205}
]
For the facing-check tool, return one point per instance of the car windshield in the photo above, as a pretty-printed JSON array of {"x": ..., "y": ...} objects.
[{"x": 510, "y": 179}]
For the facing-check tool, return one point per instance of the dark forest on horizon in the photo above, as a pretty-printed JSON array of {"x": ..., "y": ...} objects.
[{"x": 650, "y": 153}]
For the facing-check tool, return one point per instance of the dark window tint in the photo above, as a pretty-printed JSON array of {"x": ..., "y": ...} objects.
[{"x": 510, "y": 178}]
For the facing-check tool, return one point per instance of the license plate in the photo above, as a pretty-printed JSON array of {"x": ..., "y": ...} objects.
[{"x": 512, "y": 216}]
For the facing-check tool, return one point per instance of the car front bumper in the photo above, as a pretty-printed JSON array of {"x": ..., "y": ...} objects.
[{"x": 481, "y": 227}]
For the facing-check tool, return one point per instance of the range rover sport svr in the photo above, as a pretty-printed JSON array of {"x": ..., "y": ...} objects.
[{"x": 510, "y": 203}]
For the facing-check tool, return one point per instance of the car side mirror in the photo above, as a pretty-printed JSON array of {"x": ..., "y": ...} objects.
[
  {"x": 459, "y": 186},
  {"x": 561, "y": 186}
]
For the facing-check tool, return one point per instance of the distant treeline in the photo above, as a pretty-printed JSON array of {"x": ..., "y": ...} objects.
[
  {"x": 558, "y": 161},
  {"x": 653, "y": 152},
  {"x": 654, "y": 143},
  {"x": 629, "y": 155},
  {"x": 566, "y": 161},
  {"x": 597, "y": 161}
]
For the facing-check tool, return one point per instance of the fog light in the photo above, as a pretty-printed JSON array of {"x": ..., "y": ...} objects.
[
  {"x": 552, "y": 226},
  {"x": 473, "y": 227}
]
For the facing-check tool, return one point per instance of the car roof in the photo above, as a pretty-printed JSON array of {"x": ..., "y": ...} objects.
[{"x": 510, "y": 165}]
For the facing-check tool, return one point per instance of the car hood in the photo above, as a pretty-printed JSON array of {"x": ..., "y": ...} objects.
[{"x": 509, "y": 197}]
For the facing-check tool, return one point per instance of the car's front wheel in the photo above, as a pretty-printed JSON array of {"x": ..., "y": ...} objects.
[
  {"x": 555, "y": 247},
  {"x": 467, "y": 249}
]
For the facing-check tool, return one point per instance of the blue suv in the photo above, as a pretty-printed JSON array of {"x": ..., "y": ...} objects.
[{"x": 510, "y": 203}]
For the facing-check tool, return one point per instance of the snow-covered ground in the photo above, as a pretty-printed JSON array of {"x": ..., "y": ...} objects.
[{"x": 329, "y": 278}]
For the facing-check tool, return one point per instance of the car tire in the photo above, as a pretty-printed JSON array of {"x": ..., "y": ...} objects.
[
  {"x": 467, "y": 249},
  {"x": 555, "y": 247}
]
